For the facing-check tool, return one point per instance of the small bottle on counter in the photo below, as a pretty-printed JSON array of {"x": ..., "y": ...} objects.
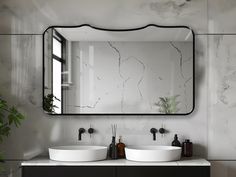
[
  {"x": 187, "y": 148},
  {"x": 113, "y": 149},
  {"x": 120, "y": 149},
  {"x": 176, "y": 141}
]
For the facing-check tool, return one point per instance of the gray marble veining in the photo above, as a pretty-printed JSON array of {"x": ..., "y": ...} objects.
[
  {"x": 129, "y": 84},
  {"x": 222, "y": 87},
  {"x": 221, "y": 16},
  {"x": 40, "y": 131},
  {"x": 35, "y": 16}
]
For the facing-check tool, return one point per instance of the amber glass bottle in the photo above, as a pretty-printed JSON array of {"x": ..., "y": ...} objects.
[
  {"x": 187, "y": 148},
  {"x": 120, "y": 149}
]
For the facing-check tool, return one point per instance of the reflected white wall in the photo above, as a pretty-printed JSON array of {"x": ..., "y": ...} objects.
[{"x": 130, "y": 77}]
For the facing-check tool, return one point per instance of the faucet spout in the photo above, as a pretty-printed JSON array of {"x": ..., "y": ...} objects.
[
  {"x": 153, "y": 131},
  {"x": 81, "y": 131}
]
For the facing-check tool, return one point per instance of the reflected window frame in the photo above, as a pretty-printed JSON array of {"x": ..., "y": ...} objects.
[{"x": 57, "y": 36}]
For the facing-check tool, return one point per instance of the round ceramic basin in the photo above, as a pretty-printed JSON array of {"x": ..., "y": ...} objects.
[
  {"x": 78, "y": 153},
  {"x": 153, "y": 153}
]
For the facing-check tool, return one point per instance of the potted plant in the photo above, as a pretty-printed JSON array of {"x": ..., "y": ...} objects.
[{"x": 9, "y": 116}]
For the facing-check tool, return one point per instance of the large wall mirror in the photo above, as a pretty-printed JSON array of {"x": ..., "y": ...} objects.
[{"x": 147, "y": 70}]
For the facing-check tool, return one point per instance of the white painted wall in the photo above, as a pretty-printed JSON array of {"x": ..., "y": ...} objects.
[{"x": 210, "y": 127}]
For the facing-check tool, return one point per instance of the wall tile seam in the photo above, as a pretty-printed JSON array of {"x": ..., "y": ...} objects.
[
  {"x": 20, "y": 34},
  {"x": 214, "y": 34}
]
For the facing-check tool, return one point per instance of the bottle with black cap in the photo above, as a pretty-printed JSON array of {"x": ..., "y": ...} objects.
[
  {"x": 176, "y": 141},
  {"x": 187, "y": 148}
]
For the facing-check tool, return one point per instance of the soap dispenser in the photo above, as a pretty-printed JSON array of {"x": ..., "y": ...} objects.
[
  {"x": 120, "y": 149},
  {"x": 176, "y": 141},
  {"x": 187, "y": 148}
]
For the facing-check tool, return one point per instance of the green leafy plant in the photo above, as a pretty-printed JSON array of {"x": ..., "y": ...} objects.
[
  {"x": 168, "y": 105},
  {"x": 9, "y": 116},
  {"x": 48, "y": 103}
]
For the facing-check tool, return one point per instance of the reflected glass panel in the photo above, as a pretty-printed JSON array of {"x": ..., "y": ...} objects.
[
  {"x": 56, "y": 48},
  {"x": 57, "y": 91}
]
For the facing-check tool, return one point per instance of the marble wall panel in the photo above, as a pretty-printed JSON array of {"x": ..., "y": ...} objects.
[
  {"x": 221, "y": 16},
  {"x": 35, "y": 16},
  {"x": 222, "y": 89},
  {"x": 21, "y": 85}
]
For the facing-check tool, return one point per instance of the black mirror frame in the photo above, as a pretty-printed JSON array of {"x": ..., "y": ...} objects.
[{"x": 120, "y": 30}]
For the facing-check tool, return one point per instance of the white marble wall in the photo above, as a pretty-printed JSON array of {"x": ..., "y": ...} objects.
[
  {"x": 20, "y": 58},
  {"x": 221, "y": 16},
  {"x": 222, "y": 97},
  {"x": 35, "y": 16},
  {"x": 221, "y": 126},
  {"x": 211, "y": 126}
]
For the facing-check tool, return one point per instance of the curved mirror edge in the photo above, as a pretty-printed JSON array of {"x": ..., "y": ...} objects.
[{"x": 55, "y": 104}]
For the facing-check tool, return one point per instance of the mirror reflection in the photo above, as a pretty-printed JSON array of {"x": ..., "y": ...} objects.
[{"x": 140, "y": 71}]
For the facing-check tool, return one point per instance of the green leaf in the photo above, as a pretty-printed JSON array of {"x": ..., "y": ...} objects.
[
  {"x": 8, "y": 116},
  {"x": 5, "y": 130},
  {"x": 48, "y": 103},
  {"x": 3, "y": 103},
  {"x": 168, "y": 104}
]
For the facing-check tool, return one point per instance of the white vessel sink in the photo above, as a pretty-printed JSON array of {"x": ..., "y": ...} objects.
[
  {"x": 153, "y": 153},
  {"x": 78, "y": 153}
]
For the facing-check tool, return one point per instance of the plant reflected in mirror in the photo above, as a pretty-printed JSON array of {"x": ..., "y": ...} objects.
[
  {"x": 49, "y": 105},
  {"x": 168, "y": 105}
]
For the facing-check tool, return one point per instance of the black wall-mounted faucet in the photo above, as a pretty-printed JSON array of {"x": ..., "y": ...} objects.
[
  {"x": 162, "y": 130},
  {"x": 90, "y": 131},
  {"x": 154, "y": 132},
  {"x": 81, "y": 131}
]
